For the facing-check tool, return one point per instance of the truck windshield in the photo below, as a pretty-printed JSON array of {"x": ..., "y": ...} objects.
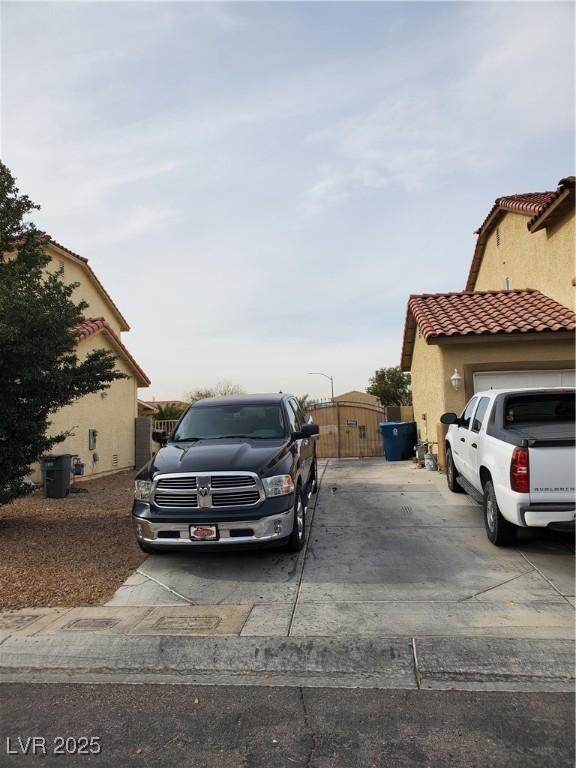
[
  {"x": 215, "y": 422},
  {"x": 542, "y": 408}
]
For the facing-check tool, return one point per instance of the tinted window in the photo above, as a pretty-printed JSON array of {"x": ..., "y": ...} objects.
[
  {"x": 480, "y": 413},
  {"x": 292, "y": 417},
  {"x": 539, "y": 408},
  {"x": 300, "y": 419},
  {"x": 468, "y": 411},
  {"x": 217, "y": 421}
]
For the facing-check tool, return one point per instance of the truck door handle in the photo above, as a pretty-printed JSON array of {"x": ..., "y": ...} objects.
[
  {"x": 474, "y": 445},
  {"x": 462, "y": 440}
]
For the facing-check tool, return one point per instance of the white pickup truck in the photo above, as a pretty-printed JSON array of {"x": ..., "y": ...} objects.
[{"x": 513, "y": 450}]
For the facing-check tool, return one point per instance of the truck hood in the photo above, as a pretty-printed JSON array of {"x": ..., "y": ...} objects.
[{"x": 234, "y": 455}]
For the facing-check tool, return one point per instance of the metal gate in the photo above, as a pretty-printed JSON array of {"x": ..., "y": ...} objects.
[{"x": 348, "y": 429}]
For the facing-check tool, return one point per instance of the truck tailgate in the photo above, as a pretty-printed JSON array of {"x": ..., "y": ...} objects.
[{"x": 552, "y": 474}]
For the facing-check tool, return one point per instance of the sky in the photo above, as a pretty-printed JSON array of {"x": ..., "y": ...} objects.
[{"x": 261, "y": 186}]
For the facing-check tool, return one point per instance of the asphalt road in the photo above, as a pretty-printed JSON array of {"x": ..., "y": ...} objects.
[{"x": 255, "y": 727}]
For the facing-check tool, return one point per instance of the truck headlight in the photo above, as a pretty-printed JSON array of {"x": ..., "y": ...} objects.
[
  {"x": 279, "y": 485},
  {"x": 142, "y": 490}
]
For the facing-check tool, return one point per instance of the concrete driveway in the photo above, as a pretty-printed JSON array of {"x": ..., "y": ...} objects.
[
  {"x": 397, "y": 587},
  {"x": 391, "y": 552}
]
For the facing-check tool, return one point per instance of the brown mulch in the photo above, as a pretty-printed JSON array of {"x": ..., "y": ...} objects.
[{"x": 72, "y": 551}]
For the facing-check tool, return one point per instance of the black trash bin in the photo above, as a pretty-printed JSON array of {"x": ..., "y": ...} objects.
[{"x": 56, "y": 475}]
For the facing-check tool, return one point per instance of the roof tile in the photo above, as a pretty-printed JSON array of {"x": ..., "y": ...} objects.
[
  {"x": 91, "y": 325},
  {"x": 474, "y": 313}
]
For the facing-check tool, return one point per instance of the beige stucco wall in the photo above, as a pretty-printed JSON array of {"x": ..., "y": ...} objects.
[
  {"x": 87, "y": 290},
  {"x": 112, "y": 413},
  {"x": 542, "y": 260},
  {"x": 427, "y": 386},
  {"x": 434, "y": 364}
]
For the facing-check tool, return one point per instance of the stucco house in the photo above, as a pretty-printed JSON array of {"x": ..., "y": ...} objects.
[
  {"x": 102, "y": 424},
  {"x": 513, "y": 325}
]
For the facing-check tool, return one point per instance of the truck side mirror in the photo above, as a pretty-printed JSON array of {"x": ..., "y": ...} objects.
[
  {"x": 308, "y": 430},
  {"x": 449, "y": 418},
  {"x": 159, "y": 436}
]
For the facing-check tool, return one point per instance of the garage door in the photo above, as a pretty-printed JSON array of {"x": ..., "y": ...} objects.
[{"x": 512, "y": 379}]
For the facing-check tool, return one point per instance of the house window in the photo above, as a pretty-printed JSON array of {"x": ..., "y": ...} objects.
[{"x": 362, "y": 432}]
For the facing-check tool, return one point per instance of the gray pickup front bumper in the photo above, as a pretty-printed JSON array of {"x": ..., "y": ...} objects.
[{"x": 171, "y": 534}]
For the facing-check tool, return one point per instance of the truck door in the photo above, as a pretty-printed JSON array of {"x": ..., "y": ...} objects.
[
  {"x": 475, "y": 426},
  {"x": 461, "y": 445},
  {"x": 306, "y": 447}
]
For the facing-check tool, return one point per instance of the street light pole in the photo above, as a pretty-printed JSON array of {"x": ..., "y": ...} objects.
[{"x": 330, "y": 379}]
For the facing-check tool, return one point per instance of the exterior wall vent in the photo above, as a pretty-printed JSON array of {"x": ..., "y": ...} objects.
[{"x": 114, "y": 459}]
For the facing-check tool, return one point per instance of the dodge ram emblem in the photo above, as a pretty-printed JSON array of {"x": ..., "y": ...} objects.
[{"x": 203, "y": 491}]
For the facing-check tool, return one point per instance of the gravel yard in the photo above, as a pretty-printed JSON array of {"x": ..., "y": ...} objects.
[{"x": 72, "y": 551}]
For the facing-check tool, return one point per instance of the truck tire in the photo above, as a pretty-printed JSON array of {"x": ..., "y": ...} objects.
[
  {"x": 499, "y": 531},
  {"x": 298, "y": 535},
  {"x": 452, "y": 473}
]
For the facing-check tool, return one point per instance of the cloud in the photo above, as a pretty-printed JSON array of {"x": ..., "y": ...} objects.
[
  {"x": 429, "y": 128},
  {"x": 278, "y": 177}
]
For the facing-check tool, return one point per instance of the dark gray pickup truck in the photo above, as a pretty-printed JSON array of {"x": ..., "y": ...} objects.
[{"x": 235, "y": 471}]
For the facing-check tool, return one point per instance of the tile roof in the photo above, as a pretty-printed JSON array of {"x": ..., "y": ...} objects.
[
  {"x": 86, "y": 266},
  {"x": 482, "y": 313},
  {"x": 565, "y": 192},
  {"x": 537, "y": 205},
  {"x": 91, "y": 325}
]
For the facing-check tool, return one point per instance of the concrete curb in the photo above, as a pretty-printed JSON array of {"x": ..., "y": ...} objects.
[{"x": 463, "y": 663}]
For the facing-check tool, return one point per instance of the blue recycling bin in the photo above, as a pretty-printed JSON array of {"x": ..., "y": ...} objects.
[{"x": 399, "y": 439}]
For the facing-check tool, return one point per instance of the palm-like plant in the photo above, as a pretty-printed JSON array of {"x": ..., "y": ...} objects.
[
  {"x": 169, "y": 412},
  {"x": 304, "y": 402}
]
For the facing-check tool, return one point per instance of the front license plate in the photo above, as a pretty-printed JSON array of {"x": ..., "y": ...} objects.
[{"x": 204, "y": 532}]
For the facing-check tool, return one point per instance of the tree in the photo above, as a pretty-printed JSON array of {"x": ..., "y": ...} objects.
[
  {"x": 39, "y": 369},
  {"x": 169, "y": 412},
  {"x": 391, "y": 385},
  {"x": 220, "y": 389}
]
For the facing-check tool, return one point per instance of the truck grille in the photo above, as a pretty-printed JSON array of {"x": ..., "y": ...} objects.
[
  {"x": 238, "y": 499},
  {"x": 179, "y": 483},
  {"x": 231, "y": 481},
  {"x": 207, "y": 491},
  {"x": 186, "y": 500}
]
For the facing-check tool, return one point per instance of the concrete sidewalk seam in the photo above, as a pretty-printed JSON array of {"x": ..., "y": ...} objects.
[
  {"x": 301, "y": 575},
  {"x": 417, "y": 675},
  {"x": 489, "y": 589},
  {"x": 168, "y": 589},
  {"x": 535, "y": 567}
]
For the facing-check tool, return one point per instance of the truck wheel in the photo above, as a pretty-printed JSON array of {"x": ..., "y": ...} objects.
[
  {"x": 296, "y": 540},
  {"x": 452, "y": 473},
  {"x": 499, "y": 530}
]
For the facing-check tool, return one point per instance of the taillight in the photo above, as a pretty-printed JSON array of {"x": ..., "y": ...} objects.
[{"x": 520, "y": 471}]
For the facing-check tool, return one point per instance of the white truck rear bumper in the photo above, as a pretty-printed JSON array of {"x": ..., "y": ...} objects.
[{"x": 516, "y": 508}]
